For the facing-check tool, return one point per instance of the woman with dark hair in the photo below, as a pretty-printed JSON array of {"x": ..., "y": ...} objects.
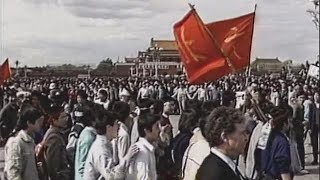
[
  {"x": 276, "y": 159},
  {"x": 20, "y": 162}
]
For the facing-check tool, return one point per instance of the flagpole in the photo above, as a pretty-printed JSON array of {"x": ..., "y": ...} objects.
[
  {"x": 248, "y": 73},
  {"x": 214, "y": 40}
]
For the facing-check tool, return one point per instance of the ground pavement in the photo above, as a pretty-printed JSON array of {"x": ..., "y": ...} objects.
[{"x": 314, "y": 170}]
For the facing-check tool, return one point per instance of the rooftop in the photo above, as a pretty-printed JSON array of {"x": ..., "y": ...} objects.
[{"x": 165, "y": 44}]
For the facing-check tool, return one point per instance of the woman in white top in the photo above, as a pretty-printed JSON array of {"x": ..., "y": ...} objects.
[{"x": 99, "y": 163}]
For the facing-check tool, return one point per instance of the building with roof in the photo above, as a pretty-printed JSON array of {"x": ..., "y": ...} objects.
[
  {"x": 160, "y": 58},
  {"x": 266, "y": 65}
]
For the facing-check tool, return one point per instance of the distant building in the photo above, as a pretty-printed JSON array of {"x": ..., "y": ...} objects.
[
  {"x": 160, "y": 58},
  {"x": 266, "y": 65}
]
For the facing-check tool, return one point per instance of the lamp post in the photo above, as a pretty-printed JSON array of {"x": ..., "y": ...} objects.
[{"x": 156, "y": 52}]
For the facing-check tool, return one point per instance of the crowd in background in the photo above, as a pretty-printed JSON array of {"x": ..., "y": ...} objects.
[{"x": 119, "y": 128}]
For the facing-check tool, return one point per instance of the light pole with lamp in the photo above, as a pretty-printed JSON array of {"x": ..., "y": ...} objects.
[{"x": 156, "y": 52}]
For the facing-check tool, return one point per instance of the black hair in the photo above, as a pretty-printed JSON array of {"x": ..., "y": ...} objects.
[
  {"x": 209, "y": 106},
  {"x": 280, "y": 116},
  {"x": 104, "y": 119},
  {"x": 188, "y": 120},
  {"x": 82, "y": 94},
  {"x": 145, "y": 122},
  {"x": 122, "y": 109},
  {"x": 30, "y": 115},
  {"x": 221, "y": 119},
  {"x": 193, "y": 104},
  {"x": 103, "y": 92},
  {"x": 157, "y": 106}
]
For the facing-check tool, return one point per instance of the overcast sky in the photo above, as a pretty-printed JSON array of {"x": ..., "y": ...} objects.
[{"x": 39, "y": 32}]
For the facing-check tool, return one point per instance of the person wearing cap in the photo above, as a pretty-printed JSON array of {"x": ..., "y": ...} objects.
[
  {"x": 9, "y": 116},
  {"x": 125, "y": 96}
]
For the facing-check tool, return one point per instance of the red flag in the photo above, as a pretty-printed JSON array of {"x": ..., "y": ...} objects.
[
  {"x": 214, "y": 50},
  {"x": 5, "y": 72},
  {"x": 234, "y": 36}
]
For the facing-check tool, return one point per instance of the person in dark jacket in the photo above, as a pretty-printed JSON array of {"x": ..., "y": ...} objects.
[
  {"x": 57, "y": 161},
  {"x": 276, "y": 159},
  {"x": 187, "y": 123},
  {"x": 225, "y": 130}
]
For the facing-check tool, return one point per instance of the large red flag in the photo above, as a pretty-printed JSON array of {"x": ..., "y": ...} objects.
[
  {"x": 216, "y": 49},
  {"x": 5, "y": 72}
]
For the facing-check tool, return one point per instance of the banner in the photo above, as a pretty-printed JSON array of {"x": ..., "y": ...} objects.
[
  {"x": 313, "y": 71},
  {"x": 211, "y": 51}
]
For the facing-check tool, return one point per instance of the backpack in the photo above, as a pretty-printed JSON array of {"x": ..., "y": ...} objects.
[{"x": 41, "y": 156}]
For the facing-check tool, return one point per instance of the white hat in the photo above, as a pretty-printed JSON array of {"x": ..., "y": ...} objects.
[
  {"x": 124, "y": 92},
  {"x": 52, "y": 86},
  {"x": 23, "y": 93}
]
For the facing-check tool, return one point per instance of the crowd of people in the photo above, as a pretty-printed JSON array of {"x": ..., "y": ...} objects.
[{"x": 120, "y": 128}]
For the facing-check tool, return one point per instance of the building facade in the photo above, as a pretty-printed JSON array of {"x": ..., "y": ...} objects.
[{"x": 160, "y": 58}]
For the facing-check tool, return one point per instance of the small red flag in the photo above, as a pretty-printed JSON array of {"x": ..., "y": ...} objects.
[
  {"x": 5, "y": 72},
  {"x": 211, "y": 51}
]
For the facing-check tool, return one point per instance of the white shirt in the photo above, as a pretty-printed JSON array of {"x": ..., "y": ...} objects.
[
  {"x": 226, "y": 159},
  {"x": 104, "y": 104},
  {"x": 99, "y": 161},
  {"x": 121, "y": 144},
  {"x": 143, "y": 93},
  {"x": 194, "y": 155},
  {"x": 144, "y": 165}
]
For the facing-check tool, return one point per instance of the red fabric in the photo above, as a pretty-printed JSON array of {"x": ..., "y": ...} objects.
[
  {"x": 204, "y": 48},
  {"x": 5, "y": 72}
]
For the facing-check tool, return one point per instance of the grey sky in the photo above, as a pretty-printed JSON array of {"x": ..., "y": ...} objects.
[{"x": 39, "y": 32}]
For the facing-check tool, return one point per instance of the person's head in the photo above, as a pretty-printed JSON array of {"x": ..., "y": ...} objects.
[
  {"x": 149, "y": 127},
  {"x": 156, "y": 107},
  {"x": 103, "y": 94},
  {"x": 193, "y": 104},
  {"x": 225, "y": 128},
  {"x": 301, "y": 98},
  {"x": 280, "y": 118},
  {"x": 209, "y": 106},
  {"x": 310, "y": 96},
  {"x": 144, "y": 105},
  {"x": 168, "y": 105},
  {"x": 58, "y": 118},
  {"x": 81, "y": 97},
  {"x": 188, "y": 120},
  {"x": 35, "y": 98},
  {"x": 31, "y": 119},
  {"x": 122, "y": 109},
  {"x": 125, "y": 95},
  {"x": 107, "y": 125}
]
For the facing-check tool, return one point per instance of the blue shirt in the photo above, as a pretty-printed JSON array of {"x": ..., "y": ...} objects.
[
  {"x": 86, "y": 138},
  {"x": 276, "y": 159}
]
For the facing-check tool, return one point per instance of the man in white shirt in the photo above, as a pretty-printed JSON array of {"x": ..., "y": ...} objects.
[
  {"x": 99, "y": 163},
  {"x": 122, "y": 143},
  {"x": 144, "y": 165},
  {"x": 143, "y": 92},
  {"x": 103, "y": 98}
]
